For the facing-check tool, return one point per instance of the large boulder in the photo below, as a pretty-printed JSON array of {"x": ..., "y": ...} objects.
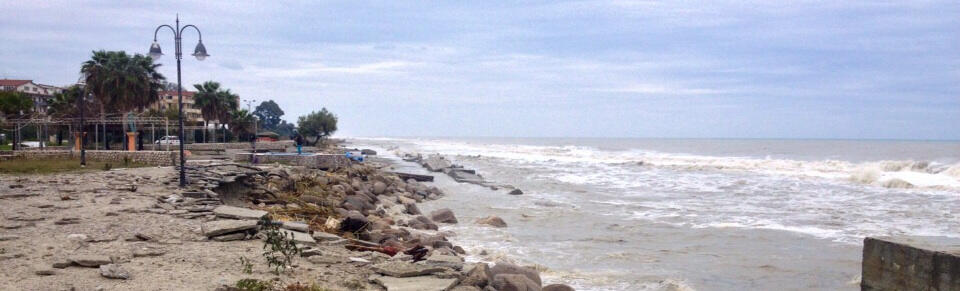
[
  {"x": 492, "y": 221},
  {"x": 513, "y": 282},
  {"x": 478, "y": 276},
  {"x": 368, "y": 152},
  {"x": 557, "y": 287},
  {"x": 354, "y": 222},
  {"x": 357, "y": 202},
  {"x": 508, "y": 268},
  {"x": 379, "y": 187},
  {"x": 436, "y": 163},
  {"x": 443, "y": 215}
]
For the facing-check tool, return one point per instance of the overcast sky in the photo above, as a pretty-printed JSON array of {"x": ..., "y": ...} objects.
[{"x": 740, "y": 69}]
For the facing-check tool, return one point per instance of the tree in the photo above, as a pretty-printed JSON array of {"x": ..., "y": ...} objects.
[
  {"x": 215, "y": 103},
  {"x": 15, "y": 104},
  {"x": 242, "y": 123},
  {"x": 285, "y": 129},
  {"x": 121, "y": 82},
  {"x": 269, "y": 114},
  {"x": 320, "y": 124}
]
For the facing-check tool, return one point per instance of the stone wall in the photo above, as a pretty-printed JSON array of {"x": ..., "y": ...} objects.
[
  {"x": 156, "y": 158},
  {"x": 911, "y": 263},
  {"x": 274, "y": 146},
  {"x": 315, "y": 161}
]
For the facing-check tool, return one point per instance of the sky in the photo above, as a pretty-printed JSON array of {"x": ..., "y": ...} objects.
[{"x": 676, "y": 69}]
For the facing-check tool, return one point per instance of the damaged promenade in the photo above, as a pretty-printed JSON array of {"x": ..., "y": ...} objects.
[{"x": 356, "y": 228}]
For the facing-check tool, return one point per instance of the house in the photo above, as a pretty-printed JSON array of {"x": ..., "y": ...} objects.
[
  {"x": 168, "y": 99},
  {"x": 40, "y": 93}
]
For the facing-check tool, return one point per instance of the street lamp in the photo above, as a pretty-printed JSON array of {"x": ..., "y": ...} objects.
[
  {"x": 200, "y": 52},
  {"x": 81, "y": 103}
]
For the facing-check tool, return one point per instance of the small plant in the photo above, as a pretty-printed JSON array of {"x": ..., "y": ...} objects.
[
  {"x": 246, "y": 265},
  {"x": 301, "y": 287},
  {"x": 279, "y": 247},
  {"x": 254, "y": 285}
]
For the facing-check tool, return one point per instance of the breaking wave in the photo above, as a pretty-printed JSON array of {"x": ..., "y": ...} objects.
[{"x": 885, "y": 173}]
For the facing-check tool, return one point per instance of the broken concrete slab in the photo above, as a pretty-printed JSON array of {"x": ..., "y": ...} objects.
[
  {"x": 300, "y": 237},
  {"x": 296, "y": 226},
  {"x": 220, "y": 227},
  {"x": 231, "y": 237},
  {"x": 422, "y": 283},
  {"x": 238, "y": 213},
  {"x": 405, "y": 269},
  {"x": 448, "y": 261}
]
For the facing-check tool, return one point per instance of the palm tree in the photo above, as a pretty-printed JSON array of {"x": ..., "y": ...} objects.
[
  {"x": 242, "y": 123},
  {"x": 215, "y": 104},
  {"x": 122, "y": 82}
]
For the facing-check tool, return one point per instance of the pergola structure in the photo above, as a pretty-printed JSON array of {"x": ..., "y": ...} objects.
[{"x": 99, "y": 124}]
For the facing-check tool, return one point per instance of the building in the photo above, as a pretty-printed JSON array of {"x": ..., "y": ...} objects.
[
  {"x": 168, "y": 99},
  {"x": 40, "y": 93}
]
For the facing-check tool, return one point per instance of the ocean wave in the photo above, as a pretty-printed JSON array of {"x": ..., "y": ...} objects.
[{"x": 598, "y": 164}]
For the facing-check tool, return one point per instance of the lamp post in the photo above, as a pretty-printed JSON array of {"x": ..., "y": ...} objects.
[
  {"x": 81, "y": 103},
  {"x": 255, "y": 128},
  {"x": 200, "y": 52}
]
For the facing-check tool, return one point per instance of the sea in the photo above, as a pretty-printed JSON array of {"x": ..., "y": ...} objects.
[{"x": 691, "y": 214}]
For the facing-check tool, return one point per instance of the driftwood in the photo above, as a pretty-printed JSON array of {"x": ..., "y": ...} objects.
[{"x": 417, "y": 177}]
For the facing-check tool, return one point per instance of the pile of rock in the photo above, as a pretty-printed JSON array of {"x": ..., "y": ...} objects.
[{"x": 438, "y": 163}]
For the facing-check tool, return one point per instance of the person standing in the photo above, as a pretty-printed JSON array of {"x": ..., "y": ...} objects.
[{"x": 299, "y": 140}]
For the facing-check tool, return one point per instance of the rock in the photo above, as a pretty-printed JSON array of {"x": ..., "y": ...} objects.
[
  {"x": 299, "y": 237},
  {"x": 194, "y": 194},
  {"x": 508, "y": 268},
  {"x": 63, "y": 263},
  {"x": 478, "y": 276},
  {"x": 354, "y": 222},
  {"x": 443, "y": 215},
  {"x": 142, "y": 237},
  {"x": 465, "y": 288},
  {"x": 148, "y": 252},
  {"x": 238, "y": 213},
  {"x": 67, "y": 220},
  {"x": 114, "y": 271},
  {"x": 6, "y": 237},
  {"x": 557, "y": 287},
  {"x": 422, "y": 283},
  {"x": 43, "y": 270},
  {"x": 412, "y": 209},
  {"x": 91, "y": 260},
  {"x": 231, "y": 237},
  {"x": 379, "y": 187},
  {"x": 465, "y": 177},
  {"x": 220, "y": 227},
  {"x": 297, "y": 226},
  {"x": 436, "y": 163},
  {"x": 368, "y": 152},
  {"x": 448, "y": 261},
  {"x": 513, "y": 282},
  {"x": 405, "y": 269},
  {"x": 492, "y": 221},
  {"x": 515, "y": 192}
]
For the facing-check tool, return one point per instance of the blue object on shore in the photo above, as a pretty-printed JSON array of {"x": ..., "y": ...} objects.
[{"x": 355, "y": 156}]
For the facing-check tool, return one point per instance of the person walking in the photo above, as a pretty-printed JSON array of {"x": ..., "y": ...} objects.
[{"x": 299, "y": 140}]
